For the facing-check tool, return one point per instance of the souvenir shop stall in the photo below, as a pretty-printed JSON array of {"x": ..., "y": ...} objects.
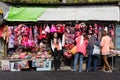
[
  {"x": 28, "y": 32},
  {"x": 33, "y": 42}
]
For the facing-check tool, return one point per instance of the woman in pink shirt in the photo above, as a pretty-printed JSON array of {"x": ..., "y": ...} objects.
[
  {"x": 105, "y": 48},
  {"x": 81, "y": 44}
]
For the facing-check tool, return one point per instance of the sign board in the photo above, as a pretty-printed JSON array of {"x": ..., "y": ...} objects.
[
  {"x": 14, "y": 66},
  {"x": 5, "y": 64},
  {"x": 45, "y": 65}
]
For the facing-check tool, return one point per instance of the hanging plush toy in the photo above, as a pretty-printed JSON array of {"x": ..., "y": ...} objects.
[
  {"x": 96, "y": 28},
  {"x": 36, "y": 35},
  {"x": 44, "y": 35},
  {"x": 5, "y": 34},
  {"x": 61, "y": 28},
  {"x": 77, "y": 26},
  {"x": 106, "y": 29},
  {"x": 40, "y": 33},
  {"x": 82, "y": 25},
  {"x": 112, "y": 31},
  {"x": 47, "y": 29},
  {"x": 1, "y": 30},
  {"x": 53, "y": 29},
  {"x": 90, "y": 29},
  {"x": 25, "y": 41}
]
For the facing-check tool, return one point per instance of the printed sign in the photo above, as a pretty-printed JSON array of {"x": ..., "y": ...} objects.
[
  {"x": 5, "y": 65},
  {"x": 38, "y": 63},
  {"x": 46, "y": 66},
  {"x": 15, "y": 66}
]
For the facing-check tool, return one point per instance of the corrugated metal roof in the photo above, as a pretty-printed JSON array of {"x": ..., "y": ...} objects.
[{"x": 104, "y": 13}]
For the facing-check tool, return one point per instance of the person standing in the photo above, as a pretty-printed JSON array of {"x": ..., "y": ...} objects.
[
  {"x": 92, "y": 41},
  {"x": 90, "y": 48},
  {"x": 56, "y": 46},
  {"x": 105, "y": 48},
  {"x": 81, "y": 44}
]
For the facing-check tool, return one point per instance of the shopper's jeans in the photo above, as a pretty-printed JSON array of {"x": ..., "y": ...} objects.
[
  {"x": 80, "y": 57},
  {"x": 90, "y": 51},
  {"x": 95, "y": 62},
  {"x": 92, "y": 58}
]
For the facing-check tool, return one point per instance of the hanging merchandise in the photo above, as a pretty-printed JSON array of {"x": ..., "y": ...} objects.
[
  {"x": 24, "y": 36},
  {"x": 82, "y": 25},
  {"x": 95, "y": 25},
  {"x": 25, "y": 30},
  {"x": 77, "y": 26},
  {"x": 11, "y": 38},
  {"x": 31, "y": 34},
  {"x": 5, "y": 34},
  {"x": 100, "y": 31},
  {"x": 60, "y": 28},
  {"x": 30, "y": 40},
  {"x": 47, "y": 29},
  {"x": 96, "y": 28},
  {"x": 44, "y": 35},
  {"x": 25, "y": 41},
  {"x": 112, "y": 33},
  {"x": 36, "y": 35},
  {"x": 1, "y": 30},
  {"x": 69, "y": 42},
  {"x": 90, "y": 29},
  {"x": 106, "y": 28},
  {"x": 53, "y": 28},
  {"x": 40, "y": 33},
  {"x": 69, "y": 37}
]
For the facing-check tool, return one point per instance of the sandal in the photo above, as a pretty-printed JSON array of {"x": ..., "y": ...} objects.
[
  {"x": 104, "y": 70},
  {"x": 110, "y": 71}
]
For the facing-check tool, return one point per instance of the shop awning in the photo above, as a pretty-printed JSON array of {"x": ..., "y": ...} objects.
[
  {"x": 25, "y": 13},
  {"x": 102, "y": 13},
  {"x": 66, "y": 13}
]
